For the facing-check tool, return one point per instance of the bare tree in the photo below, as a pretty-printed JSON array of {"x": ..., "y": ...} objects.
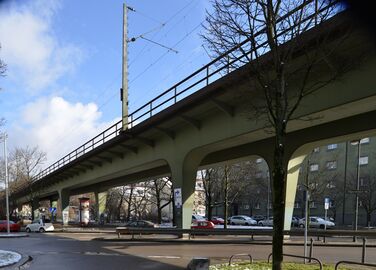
[
  {"x": 267, "y": 34},
  {"x": 3, "y": 66},
  {"x": 367, "y": 194},
  {"x": 24, "y": 164},
  {"x": 211, "y": 191},
  {"x": 161, "y": 195}
]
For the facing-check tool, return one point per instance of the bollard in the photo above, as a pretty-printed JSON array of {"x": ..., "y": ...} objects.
[
  {"x": 364, "y": 250},
  {"x": 310, "y": 250},
  {"x": 198, "y": 263}
]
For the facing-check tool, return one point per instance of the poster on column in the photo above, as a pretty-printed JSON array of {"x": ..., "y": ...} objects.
[{"x": 178, "y": 197}]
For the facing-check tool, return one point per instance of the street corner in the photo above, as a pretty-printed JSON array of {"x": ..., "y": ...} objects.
[{"x": 9, "y": 258}]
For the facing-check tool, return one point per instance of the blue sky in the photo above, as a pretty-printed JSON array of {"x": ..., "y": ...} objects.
[{"x": 64, "y": 64}]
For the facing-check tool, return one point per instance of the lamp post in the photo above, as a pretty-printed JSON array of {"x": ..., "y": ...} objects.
[
  {"x": 4, "y": 137},
  {"x": 357, "y": 142}
]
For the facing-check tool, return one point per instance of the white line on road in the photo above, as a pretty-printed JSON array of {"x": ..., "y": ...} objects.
[{"x": 163, "y": 257}]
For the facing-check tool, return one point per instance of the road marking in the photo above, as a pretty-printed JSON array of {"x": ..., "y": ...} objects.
[
  {"x": 65, "y": 239},
  {"x": 163, "y": 257}
]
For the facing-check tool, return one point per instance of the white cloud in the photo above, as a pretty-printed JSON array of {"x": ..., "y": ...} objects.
[
  {"x": 33, "y": 53},
  {"x": 57, "y": 126}
]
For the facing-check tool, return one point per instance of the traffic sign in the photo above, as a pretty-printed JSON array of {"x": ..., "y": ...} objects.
[{"x": 326, "y": 203}]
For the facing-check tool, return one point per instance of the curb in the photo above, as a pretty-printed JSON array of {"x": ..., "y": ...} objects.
[{"x": 14, "y": 235}]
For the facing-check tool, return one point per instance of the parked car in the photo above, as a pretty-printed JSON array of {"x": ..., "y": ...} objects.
[
  {"x": 294, "y": 222},
  {"x": 13, "y": 227},
  {"x": 266, "y": 222},
  {"x": 196, "y": 218},
  {"x": 203, "y": 225},
  {"x": 218, "y": 221},
  {"x": 140, "y": 224},
  {"x": 242, "y": 220},
  {"x": 38, "y": 225},
  {"x": 258, "y": 217},
  {"x": 317, "y": 222}
]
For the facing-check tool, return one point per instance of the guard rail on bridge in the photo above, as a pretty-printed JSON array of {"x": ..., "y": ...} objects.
[
  {"x": 317, "y": 11},
  {"x": 246, "y": 232}
]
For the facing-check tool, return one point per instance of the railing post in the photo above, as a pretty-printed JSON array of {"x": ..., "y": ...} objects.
[
  {"x": 151, "y": 109},
  {"x": 364, "y": 250},
  {"x": 228, "y": 64},
  {"x": 175, "y": 95},
  {"x": 207, "y": 75},
  {"x": 316, "y": 8},
  {"x": 310, "y": 250}
]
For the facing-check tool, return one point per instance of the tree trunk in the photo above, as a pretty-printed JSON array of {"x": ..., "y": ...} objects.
[
  {"x": 210, "y": 208},
  {"x": 278, "y": 198},
  {"x": 130, "y": 204},
  {"x": 226, "y": 198}
]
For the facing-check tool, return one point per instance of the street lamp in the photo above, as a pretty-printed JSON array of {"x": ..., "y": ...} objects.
[
  {"x": 357, "y": 142},
  {"x": 4, "y": 136}
]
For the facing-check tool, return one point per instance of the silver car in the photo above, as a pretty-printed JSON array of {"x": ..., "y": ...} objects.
[
  {"x": 242, "y": 220},
  {"x": 317, "y": 222},
  {"x": 266, "y": 222}
]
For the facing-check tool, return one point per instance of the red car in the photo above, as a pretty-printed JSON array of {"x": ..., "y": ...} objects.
[
  {"x": 203, "y": 225},
  {"x": 14, "y": 227},
  {"x": 218, "y": 221}
]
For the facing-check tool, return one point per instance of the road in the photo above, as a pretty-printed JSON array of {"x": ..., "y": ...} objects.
[{"x": 80, "y": 251}]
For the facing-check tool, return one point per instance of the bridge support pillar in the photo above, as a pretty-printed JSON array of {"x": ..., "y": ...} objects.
[
  {"x": 63, "y": 206},
  {"x": 184, "y": 181},
  {"x": 294, "y": 166},
  {"x": 100, "y": 200}
]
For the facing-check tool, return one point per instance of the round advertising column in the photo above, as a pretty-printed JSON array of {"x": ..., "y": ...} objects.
[{"x": 84, "y": 211}]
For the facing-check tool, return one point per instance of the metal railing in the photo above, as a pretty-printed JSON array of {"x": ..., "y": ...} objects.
[
  {"x": 240, "y": 255},
  {"x": 299, "y": 257},
  {"x": 216, "y": 69},
  {"x": 354, "y": 263}
]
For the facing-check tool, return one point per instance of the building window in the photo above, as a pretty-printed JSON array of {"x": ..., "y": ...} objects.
[
  {"x": 363, "y": 160},
  {"x": 363, "y": 181},
  {"x": 259, "y": 160},
  {"x": 258, "y": 174},
  {"x": 312, "y": 204},
  {"x": 331, "y": 165},
  {"x": 257, "y": 206},
  {"x": 246, "y": 206},
  {"x": 332, "y": 146},
  {"x": 364, "y": 141},
  {"x": 314, "y": 167},
  {"x": 297, "y": 205},
  {"x": 316, "y": 149}
]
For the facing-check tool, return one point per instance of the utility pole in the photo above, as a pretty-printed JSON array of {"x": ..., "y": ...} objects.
[
  {"x": 344, "y": 186},
  {"x": 6, "y": 180},
  {"x": 124, "y": 89},
  {"x": 357, "y": 142},
  {"x": 306, "y": 221}
]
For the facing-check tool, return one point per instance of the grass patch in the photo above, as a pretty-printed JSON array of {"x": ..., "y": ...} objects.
[{"x": 267, "y": 266}]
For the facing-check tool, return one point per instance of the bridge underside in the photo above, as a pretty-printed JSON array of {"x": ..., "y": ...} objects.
[{"x": 218, "y": 124}]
